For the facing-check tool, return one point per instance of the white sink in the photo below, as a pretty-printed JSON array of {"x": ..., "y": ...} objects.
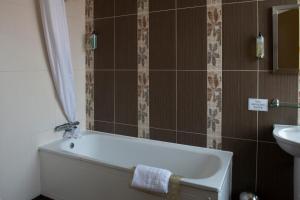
[{"x": 288, "y": 138}]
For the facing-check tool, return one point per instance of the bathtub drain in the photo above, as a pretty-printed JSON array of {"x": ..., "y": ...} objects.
[{"x": 72, "y": 145}]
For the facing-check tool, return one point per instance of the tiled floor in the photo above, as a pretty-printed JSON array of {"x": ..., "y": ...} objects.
[{"x": 42, "y": 198}]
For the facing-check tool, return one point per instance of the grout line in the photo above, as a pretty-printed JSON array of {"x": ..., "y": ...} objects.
[
  {"x": 165, "y": 10},
  {"x": 267, "y": 142},
  {"x": 104, "y": 121},
  {"x": 163, "y": 129},
  {"x": 257, "y": 91},
  {"x": 222, "y": 85},
  {"x": 176, "y": 64},
  {"x": 126, "y": 15},
  {"x": 124, "y": 124},
  {"x": 114, "y": 128},
  {"x": 192, "y": 7},
  {"x": 240, "y": 2},
  {"x": 103, "y": 18}
]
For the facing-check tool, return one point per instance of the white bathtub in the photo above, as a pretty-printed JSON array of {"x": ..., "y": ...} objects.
[{"x": 99, "y": 167}]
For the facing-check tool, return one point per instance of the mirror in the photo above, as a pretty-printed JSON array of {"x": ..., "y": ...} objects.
[{"x": 286, "y": 38}]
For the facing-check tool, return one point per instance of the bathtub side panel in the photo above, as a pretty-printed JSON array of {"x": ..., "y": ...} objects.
[
  {"x": 189, "y": 193},
  {"x": 71, "y": 179}
]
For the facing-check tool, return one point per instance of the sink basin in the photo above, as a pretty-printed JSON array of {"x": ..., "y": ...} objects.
[{"x": 288, "y": 138}]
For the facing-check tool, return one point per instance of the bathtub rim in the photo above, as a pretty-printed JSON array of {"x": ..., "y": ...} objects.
[{"x": 208, "y": 184}]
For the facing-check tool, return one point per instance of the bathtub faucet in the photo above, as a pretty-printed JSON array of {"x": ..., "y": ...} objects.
[{"x": 67, "y": 127}]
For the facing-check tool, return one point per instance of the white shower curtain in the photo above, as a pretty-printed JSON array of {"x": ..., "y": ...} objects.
[{"x": 59, "y": 55}]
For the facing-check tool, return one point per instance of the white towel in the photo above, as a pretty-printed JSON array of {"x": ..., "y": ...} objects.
[{"x": 151, "y": 179}]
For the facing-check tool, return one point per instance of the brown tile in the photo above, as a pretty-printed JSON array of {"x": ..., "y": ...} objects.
[
  {"x": 281, "y": 86},
  {"x": 244, "y": 165},
  {"x": 104, "y": 96},
  {"x": 156, "y": 5},
  {"x": 103, "y": 8},
  {"x": 237, "y": 121},
  {"x": 163, "y": 135},
  {"x": 275, "y": 173},
  {"x": 190, "y": 3},
  {"x": 198, "y": 140},
  {"x": 128, "y": 130},
  {"x": 125, "y": 7},
  {"x": 239, "y": 35},
  {"x": 126, "y": 97},
  {"x": 192, "y": 37},
  {"x": 107, "y": 127},
  {"x": 126, "y": 42},
  {"x": 162, "y": 40},
  {"x": 191, "y": 109},
  {"x": 163, "y": 100},
  {"x": 265, "y": 26},
  {"x": 104, "y": 54}
]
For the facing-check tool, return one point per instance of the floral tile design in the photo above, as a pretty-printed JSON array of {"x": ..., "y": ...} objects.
[
  {"x": 214, "y": 74},
  {"x": 89, "y": 28},
  {"x": 298, "y": 115},
  {"x": 143, "y": 68},
  {"x": 89, "y": 10}
]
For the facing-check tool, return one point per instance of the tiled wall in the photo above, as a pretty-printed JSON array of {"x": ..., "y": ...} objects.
[
  {"x": 29, "y": 110},
  {"x": 179, "y": 83}
]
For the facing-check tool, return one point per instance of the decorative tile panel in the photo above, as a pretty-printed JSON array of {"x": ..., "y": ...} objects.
[
  {"x": 89, "y": 14},
  {"x": 214, "y": 73},
  {"x": 143, "y": 67},
  {"x": 298, "y": 1},
  {"x": 200, "y": 92}
]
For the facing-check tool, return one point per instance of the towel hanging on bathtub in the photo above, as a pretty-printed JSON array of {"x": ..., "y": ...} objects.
[
  {"x": 173, "y": 184},
  {"x": 59, "y": 55},
  {"x": 151, "y": 179}
]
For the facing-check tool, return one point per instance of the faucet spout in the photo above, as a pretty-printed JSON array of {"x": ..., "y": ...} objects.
[{"x": 67, "y": 127}]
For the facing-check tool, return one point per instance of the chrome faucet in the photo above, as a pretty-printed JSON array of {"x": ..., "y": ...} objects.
[{"x": 67, "y": 127}]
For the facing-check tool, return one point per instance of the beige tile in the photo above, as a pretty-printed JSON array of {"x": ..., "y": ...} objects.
[
  {"x": 47, "y": 137},
  {"x": 22, "y": 40},
  {"x": 27, "y": 101},
  {"x": 21, "y": 37},
  {"x": 74, "y": 8},
  {"x": 80, "y": 95},
  {"x": 77, "y": 33},
  {"x": 19, "y": 169}
]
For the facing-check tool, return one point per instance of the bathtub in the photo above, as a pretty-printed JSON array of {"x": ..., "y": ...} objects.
[{"x": 98, "y": 166}]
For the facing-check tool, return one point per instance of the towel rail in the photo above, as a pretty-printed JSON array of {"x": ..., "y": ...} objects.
[{"x": 275, "y": 103}]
